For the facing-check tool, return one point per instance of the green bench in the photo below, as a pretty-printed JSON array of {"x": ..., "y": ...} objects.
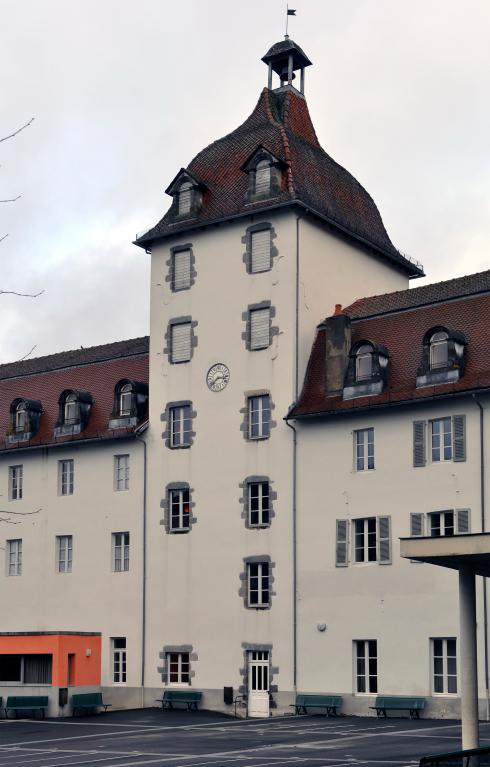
[
  {"x": 329, "y": 702},
  {"x": 30, "y": 703},
  {"x": 189, "y": 697},
  {"x": 392, "y": 703},
  {"x": 88, "y": 701}
]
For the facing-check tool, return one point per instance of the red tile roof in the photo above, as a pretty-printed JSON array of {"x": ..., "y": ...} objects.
[
  {"x": 96, "y": 370},
  {"x": 281, "y": 124},
  {"x": 402, "y": 331}
]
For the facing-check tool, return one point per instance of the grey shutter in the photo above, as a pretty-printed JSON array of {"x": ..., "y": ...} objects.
[
  {"x": 185, "y": 199},
  {"x": 259, "y": 328},
  {"x": 262, "y": 179},
  {"x": 384, "y": 540},
  {"x": 260, "y": 251},
  {"x": 181, "y": 342},
  {"x": 182, "y": 270},
  {"x": 459, "y": 438},
  {"x": 416, "y": 524},
  {"x": 342, "y": 543},
  {"x": 462, "y": 521},
  {"x": 419, "y": 456}
]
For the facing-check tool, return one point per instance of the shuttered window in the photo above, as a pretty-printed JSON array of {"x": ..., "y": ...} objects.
[
  {"x": 263, "y": 177},
  {"x": 449, "y": 522},
  {"x": 185, "y": 199},
  {"x": 419, "y": 450},
  {"x": 260, "y": 251},
  {"x": 181, "y": 342},
  {"x": 181, "y": 270},
  {"x": 342, "y": 543},
  {"x": 371, "y": 541},
  {"x": 384, "y": 540},
  {"x": 459, "y": 438},
  {"x": 259, "y": 328}
]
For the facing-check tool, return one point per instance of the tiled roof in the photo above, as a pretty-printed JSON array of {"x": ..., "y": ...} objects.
[
  {"x": 402, "y": 333},
  {"x": 425, "y": 294},
  {"x": 281, "y": 124},
  {"x": 96, "y": 370}
]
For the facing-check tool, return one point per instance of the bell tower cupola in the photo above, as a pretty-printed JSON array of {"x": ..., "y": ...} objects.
[{"x": 286, "y": 58}]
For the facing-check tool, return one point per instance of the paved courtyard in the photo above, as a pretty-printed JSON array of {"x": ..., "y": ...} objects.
[{"x": 204, "y": 739}]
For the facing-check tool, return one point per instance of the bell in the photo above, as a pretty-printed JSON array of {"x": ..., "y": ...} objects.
[{"x": 284, "y": 75}]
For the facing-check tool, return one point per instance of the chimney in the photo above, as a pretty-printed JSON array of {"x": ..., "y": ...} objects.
[{"x": 337, "y": 334}]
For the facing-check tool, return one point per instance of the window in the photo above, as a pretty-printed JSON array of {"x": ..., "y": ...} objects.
[
  {"x": 25, "y": 415},
  {"x": 180, "y": 426},
  {"x": 71, "y": 409},
  {"x": 258, "y": 584},
  {"x": 438, "y": 351},
  {"x": 263, "y": 177},
  {"x": 178, "y": 668},
  {"x": 121, "y": 472},
  {"x": 130, "y": 401},
  {"x": 20, "y": 417},
  {"x": 444, "y": 667},
  {"x": 371, "y": 541},
  {"x": 118, "y": 651},
  {"x": 16, "y": 476},
  {"x": 447, "y": 440},
  {"x": 181, "y": 270},
  {"x": 180, "y": 342},
  {"x": 443, "y": 523},
  {"x": 65, "y": 477},
  {"x": 366, "y": 665},
  {"x": 179, "y": 502},
  {"x": 364, "y": 363},
  {"x": 442, "y": 442},
  {"x": 64, "y": 553},
  {"x": 125, "y": 400},
  {"x": 185, "y": 198},
  {"x": 260, "y": 251},
  {"x": 258, "y": 504},
  {"x": 120, "y": 552},
  {"x": 26, "y": 669},
  {"x": 259, "y": 417},
  {"x": 443, "y": 358},
  {"x": 364, "y": 447},
  {"x": 14, "y": 557},
  {"x": 259, "y": 322}
]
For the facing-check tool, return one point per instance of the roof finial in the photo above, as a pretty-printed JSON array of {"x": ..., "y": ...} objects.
[{"x": 289, "y": 12}]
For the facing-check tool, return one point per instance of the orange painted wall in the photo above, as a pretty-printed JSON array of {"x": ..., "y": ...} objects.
[{"x": 86, "y": 669}]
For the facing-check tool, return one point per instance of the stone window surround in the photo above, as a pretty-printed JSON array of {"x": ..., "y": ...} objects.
[
  {"x": 163, "y": 655},
  {"x": 165, "y": 505},
  {"x": 244, "y": 501},
  {"x": 165, "y": 418},
  {"x": 248, "y": 647},
  {"x": 246, "y": 317},
  {"x": 276, "y": 177},
  {"x": 244, "y": 426},
  {"x": 247, "y": 241},
  {"x": 170, "y": 266},
  {"x": 243, "y": 591},
  {"x": 168, "y": 337}
]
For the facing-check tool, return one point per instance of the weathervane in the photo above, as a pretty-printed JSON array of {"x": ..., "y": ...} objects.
[{"x": 289, "y": 12}]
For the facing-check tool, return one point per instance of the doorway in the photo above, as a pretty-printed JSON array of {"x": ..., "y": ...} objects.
[{"x": 258, "y": 684}]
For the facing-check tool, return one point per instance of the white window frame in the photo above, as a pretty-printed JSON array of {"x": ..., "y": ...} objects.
[
  {"x": 263, "y": 496},
  {"x": 64, "y": 554},
  {"x": 363, "y": 527},
  {"x": 362, "y": 653},
  {"x": 71, "y": 404},
  {"x": 181, "y": 663},
  {"x": 176, "y": 509},
  {"x": 121, "y": 472},
  {"x": 261, "y": 571},
  {"x": 66, "y": 476},
  {"x": 16, "y": 482},
  {"x": 364, "y": 449},
  {"x": 364, "y": 352},
  {"x": 438, "y": 340},
  {"x": 120, "y": 552},
  {"x": 14, "y": 557},
  {"x": 441, "y": 447},
  {"x": 261, "y": 404},
  {"x": 444, "y": 666},
  {"x": 119, "y": 662},
  {"x": 179, "y": 417},
  {"x": 125, "y": 400},
  {"x": 20, "y": 417}
]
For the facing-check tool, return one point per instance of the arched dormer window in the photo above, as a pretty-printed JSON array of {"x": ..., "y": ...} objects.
[
  {"x": 442, "y": 357},
  {"x": 25, "y": 415},
  {"x": 367, "y": 370},
  {"x": 130, "y": 403},
  {"x": 263, "y": 177},
  {"x": 187, "y": 193},
  {"x": 74, "y": 412}
]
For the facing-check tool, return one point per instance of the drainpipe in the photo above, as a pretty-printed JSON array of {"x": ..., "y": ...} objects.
[
  {"x": 483, "y": 527},
  {"x": 295, "y": 565},
  {"x": 138, "y": 432}
]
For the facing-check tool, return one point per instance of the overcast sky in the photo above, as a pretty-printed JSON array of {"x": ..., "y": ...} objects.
[{"x": 125, "y": 92}]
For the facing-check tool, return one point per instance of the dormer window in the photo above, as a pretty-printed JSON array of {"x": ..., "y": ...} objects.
[
  {"x": 130, "y": 404},
  {"x": 264, "y": 174},
  {"x": 187, "y": 193},
  {"x": 71, "y": 411},
  {"x": 25, "y": 415},
  {"x": 74, "y": 412},
  {"x": 367, "y": 370},
  {"x": 263, "y": 177},
  {"x": 442, "y": 357}
]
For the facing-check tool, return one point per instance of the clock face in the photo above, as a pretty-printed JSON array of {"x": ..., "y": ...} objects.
[{"x": 217, "y": 377}]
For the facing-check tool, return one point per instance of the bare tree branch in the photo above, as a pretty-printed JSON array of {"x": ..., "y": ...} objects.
[
  {"x": 3, "y": 238},
  {"x": 22, "y": 295},
  {"x": 5, "y": 138},
  {"x": 14, "y": 199},
  {"x": 18, "y": 513},
  {"x": 28, "y": 354}
]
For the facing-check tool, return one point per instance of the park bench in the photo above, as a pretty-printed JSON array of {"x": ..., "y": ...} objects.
[
  {"x": 391, "y": 703},
  {"x": 88, "y": 701},
  {"x": 189, "y": 697},
  {"x": 329, "y": 702},
  {"x": 30, "y": 703}
]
